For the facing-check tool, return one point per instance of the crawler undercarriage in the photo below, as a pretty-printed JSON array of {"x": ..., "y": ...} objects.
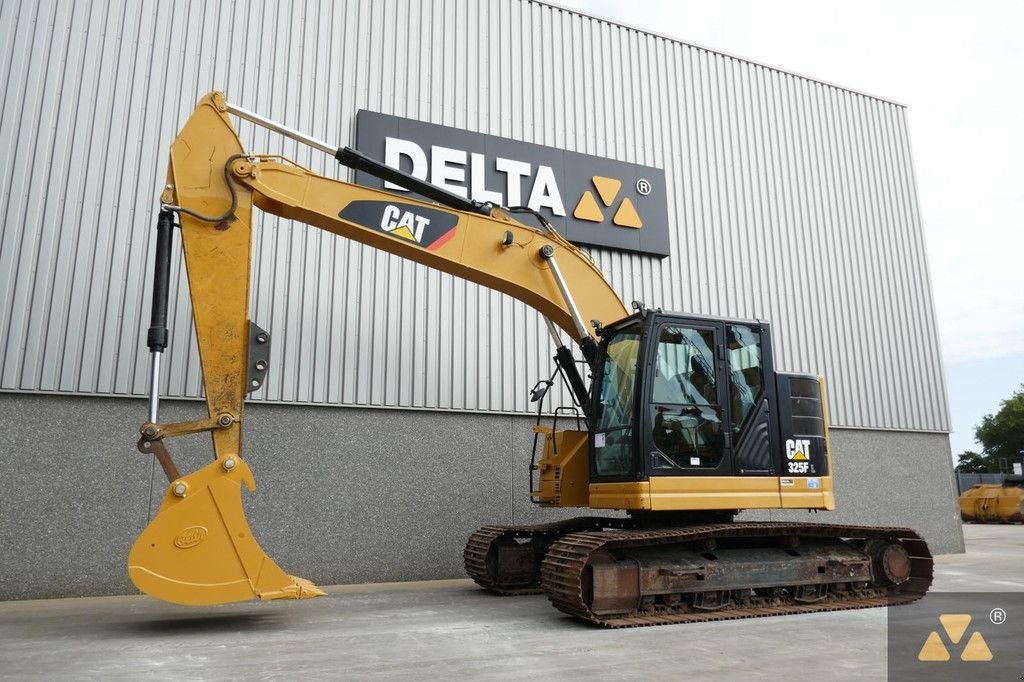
[{"x": 627, "y": 573}]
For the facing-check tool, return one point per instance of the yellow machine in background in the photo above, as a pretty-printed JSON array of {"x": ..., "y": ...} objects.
[
  {"x": 994, "y": 503},
  {"x": 685, "y": 422}
]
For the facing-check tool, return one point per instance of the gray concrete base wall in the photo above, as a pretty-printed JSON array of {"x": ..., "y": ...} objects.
[
  {"x": 891, "y": 478},
  {"x": 347, "y": 495}
]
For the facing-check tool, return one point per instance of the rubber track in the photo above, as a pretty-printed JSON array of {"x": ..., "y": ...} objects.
[
  {"x": 562, "y": 572},
  {"x": 480, "y": 543}
]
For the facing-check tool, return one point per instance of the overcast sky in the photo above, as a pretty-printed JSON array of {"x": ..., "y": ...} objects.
[{"x": 959, "y": 68}]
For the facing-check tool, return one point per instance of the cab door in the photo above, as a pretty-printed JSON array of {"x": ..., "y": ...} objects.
[
  {"x": 687, "y": 421},
  {"x": 708, "y": 389},
  {"x": 707, "y": 427},
  {"x": 750, "y": 381}
]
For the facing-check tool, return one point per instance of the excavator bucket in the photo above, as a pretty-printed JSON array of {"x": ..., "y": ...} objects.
[{"x": 199, "y": 549}]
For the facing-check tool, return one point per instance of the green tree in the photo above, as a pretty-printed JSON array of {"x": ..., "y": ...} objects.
[
  {"x": 1002, "y": 434},
  {"x": 970, "y": 462}
]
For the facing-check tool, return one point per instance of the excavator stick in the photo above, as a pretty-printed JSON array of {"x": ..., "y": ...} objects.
[{"x": 199, "y": 549}]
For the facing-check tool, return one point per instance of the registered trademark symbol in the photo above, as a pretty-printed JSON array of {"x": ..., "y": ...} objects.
[
  {"x": 643, "y": 187},
  {"x": 997, "y": 616}
]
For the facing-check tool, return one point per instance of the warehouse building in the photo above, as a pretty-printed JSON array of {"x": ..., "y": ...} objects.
[{"x": 395, "y": 418}]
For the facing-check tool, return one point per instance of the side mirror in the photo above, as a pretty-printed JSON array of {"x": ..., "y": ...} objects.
[{"x": 539, "y": 390}]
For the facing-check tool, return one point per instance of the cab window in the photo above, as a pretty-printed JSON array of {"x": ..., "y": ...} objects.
[
  {"x": 746, "y": 377},
  {"x": 614, "y": 417},
  {"x": 686, "y": 426}
]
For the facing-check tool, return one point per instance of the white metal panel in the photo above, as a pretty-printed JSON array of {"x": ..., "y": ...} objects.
[{"x": 792, "y": 200}]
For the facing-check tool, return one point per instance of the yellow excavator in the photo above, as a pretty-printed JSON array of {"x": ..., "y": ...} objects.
[
  {"x": 684, "y": 423},
  {"x": 994, "y": 502}
]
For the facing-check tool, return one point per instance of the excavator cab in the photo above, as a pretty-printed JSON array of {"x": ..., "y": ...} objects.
[
  {"x": 687, "y": 413},
  {"x": 698, "y": 387}
]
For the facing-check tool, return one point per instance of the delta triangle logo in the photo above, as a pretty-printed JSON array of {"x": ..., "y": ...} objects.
[
  {"x": 954, "y": 625},
  {"x": 607, "y": 190}
]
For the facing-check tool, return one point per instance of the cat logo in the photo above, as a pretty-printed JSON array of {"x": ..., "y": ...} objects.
[
  {"x": 608, "y": 189},
  {"x": 796, "y": 450},
  {"x": 404, "y": 224},
  {"x": 416, "y": 224},
  {"x": 955, "y": 625}
]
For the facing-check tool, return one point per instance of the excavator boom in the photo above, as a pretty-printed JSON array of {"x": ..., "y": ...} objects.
[{"x": 199, "y": 548}]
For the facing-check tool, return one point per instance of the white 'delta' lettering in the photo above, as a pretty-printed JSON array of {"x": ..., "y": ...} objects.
[
  {"x": 395, "y": 218},
  {"x": 477, "y": 183},
  {"x": 446, "y": 168},
  {"x": 394, "y": 149},
  {"x": 514, "y": 172},
  {"x": 545, "y": 192}
]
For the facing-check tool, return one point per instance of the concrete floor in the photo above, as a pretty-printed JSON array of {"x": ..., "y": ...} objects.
[{"x": 452, "y": 630}]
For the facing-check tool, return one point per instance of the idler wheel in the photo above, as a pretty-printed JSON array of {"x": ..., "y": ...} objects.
[{"x": 894, "y": 563}]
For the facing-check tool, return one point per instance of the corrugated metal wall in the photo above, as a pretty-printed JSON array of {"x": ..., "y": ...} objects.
[{"x": 794, "y": 200}]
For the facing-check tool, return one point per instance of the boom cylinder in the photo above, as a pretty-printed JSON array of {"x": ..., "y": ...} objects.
[
  {"x": 347, "y": 156},
  {"x": 565, "y": 361},
  {"x": 587, "y": 344},
  {"x": 359, "y": 161}
]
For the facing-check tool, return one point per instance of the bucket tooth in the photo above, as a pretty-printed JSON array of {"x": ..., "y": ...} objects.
[
  {"x": 300, "y": 588},
  {"x": 199, "y": 549}
]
